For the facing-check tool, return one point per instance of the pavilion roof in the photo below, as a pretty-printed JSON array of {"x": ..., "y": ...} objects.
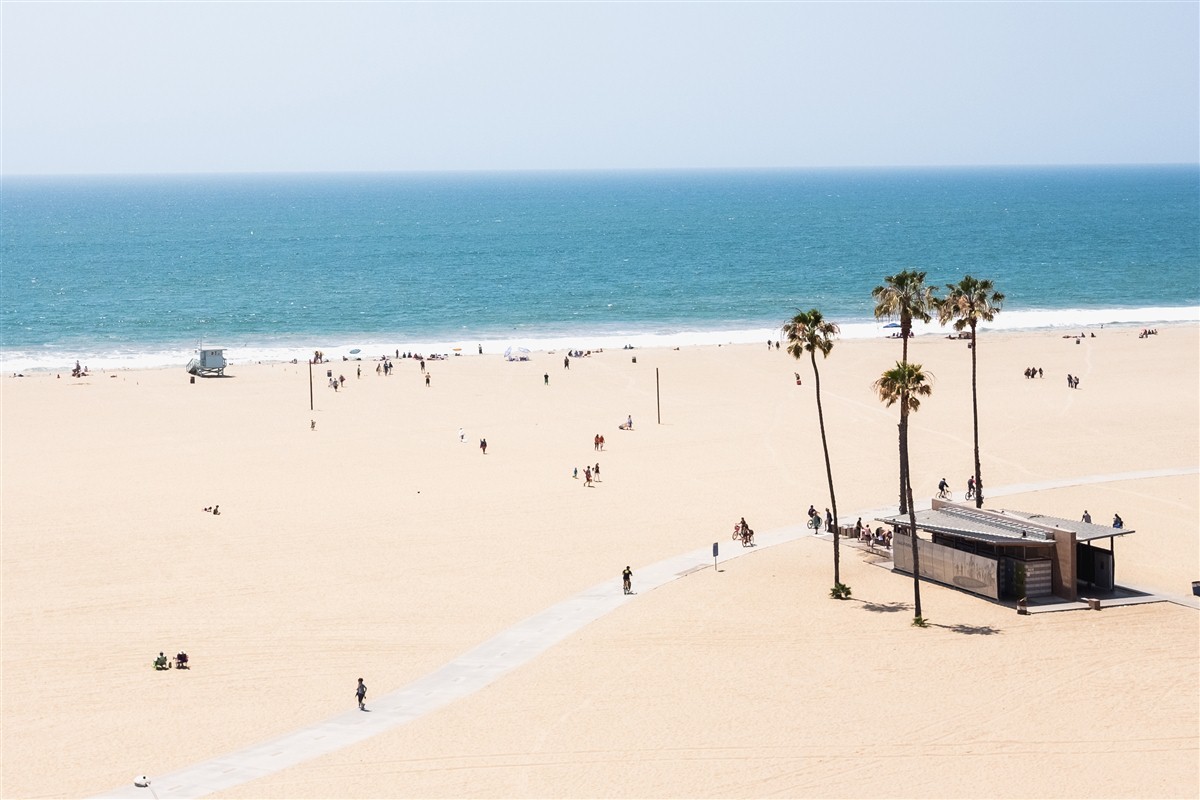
[{"x": 1002, "y": 527}]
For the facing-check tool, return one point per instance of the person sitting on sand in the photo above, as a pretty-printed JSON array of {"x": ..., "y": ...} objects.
[
  {"x": 161, "y": 662},
  {"x": 216, "y": 510},
  {"x": 181, "y": 660}
]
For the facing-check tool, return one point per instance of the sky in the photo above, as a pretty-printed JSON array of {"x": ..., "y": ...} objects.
[{"x": 219, "y": 87}]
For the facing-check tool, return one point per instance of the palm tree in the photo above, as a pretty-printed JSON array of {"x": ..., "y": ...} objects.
[
  {"x": 967, "y": 303},
  {"x": 906, "y": 296},
  {"x": 808, "y": 332},
  {"x": 907, "y": 384}
]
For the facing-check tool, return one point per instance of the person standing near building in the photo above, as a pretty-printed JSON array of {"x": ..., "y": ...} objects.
[{"x": 361, "y": 694}]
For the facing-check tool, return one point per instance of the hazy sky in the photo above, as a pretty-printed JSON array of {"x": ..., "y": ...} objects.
[{"x": 286, "y": 86}]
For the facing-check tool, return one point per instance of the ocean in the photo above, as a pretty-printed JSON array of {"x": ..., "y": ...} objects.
[{"x": 140, "y": 271}]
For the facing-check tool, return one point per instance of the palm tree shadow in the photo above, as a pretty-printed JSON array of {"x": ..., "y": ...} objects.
[
  {"x": 883, "y": 608},
  {"x": 969, "y": 630}
]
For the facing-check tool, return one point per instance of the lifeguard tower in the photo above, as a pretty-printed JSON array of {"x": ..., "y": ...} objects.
[{"x": 211, "y": 361}]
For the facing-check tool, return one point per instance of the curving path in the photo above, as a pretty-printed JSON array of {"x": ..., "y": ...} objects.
[{"x": 502, "y": 653}]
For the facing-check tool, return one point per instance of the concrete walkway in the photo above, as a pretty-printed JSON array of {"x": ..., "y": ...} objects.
[{"x": 502, "y": 653}]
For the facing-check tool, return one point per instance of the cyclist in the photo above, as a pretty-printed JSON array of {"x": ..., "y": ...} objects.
[
  {"x": 970, "y": 487},
  {"x": 814, "y": 518},
  {"x": 943, "y": 488}
]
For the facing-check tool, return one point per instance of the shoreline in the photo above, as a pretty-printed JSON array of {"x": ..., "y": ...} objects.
[{"x": 166, "y": 356}]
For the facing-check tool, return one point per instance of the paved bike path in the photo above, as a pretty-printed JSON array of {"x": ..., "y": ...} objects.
[{"x": 501, "y": 654}]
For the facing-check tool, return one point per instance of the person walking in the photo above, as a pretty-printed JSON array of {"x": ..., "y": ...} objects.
[
  {"x": 627, "y": 579},
  {"x": 596, "y": 472},
  {"x": 426, "y": 380},
  {"x": 483, "y": 446},
  {"x": 361, "y": 694}
]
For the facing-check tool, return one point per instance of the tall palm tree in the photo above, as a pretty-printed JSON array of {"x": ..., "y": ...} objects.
[
  {"x": 906, "y": 296},
  {"x": 809, "y": 332},
  {"x": 967, "y": 303},
  {"x": 906, "y": 384}
]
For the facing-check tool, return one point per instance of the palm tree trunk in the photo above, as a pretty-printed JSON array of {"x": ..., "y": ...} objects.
[
  {"x": 912, "y": 512},
  {"x": 975, "y": 415},
  {"x": 905, "y": 326},
  {"x": 837, "y": 579}
]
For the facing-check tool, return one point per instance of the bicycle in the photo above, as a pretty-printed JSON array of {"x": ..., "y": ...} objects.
[
  {"x": 814, "y": 522},
  {"x": 970, "y": 493},
  {"x": 944, "y": 493}
]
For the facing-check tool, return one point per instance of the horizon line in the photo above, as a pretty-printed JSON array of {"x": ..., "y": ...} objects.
[{"x": 605, "y": 170}]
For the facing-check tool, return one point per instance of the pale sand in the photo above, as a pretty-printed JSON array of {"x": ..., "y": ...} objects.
[{"x": 379, "y": 546}]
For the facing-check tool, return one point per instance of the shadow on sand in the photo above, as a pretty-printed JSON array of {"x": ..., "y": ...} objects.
[
  {"x": 883, "y": 608},
  {"x": 969, "y": 630}
]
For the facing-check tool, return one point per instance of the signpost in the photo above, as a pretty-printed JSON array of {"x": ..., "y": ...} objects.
[{"x": 714, "y": 555}]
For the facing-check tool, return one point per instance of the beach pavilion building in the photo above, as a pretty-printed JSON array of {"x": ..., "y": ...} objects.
[{"x": 1007, "y": 555}]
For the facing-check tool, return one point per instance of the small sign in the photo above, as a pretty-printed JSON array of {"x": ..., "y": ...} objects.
[{"x": 714, "y": 549}]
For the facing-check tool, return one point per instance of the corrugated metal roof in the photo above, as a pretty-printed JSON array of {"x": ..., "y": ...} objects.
[{"x": 1002, "y": 527}]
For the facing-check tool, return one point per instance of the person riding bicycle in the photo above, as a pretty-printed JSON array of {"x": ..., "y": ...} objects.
[
  {"x": 814, "y": 518},
  {"x": 943, "y": 488},
  {"x": 970, "y": 486},
  {"x": 746, "y": 535}
]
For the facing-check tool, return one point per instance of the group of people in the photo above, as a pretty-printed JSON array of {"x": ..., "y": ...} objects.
[
  {"x": 627, "y": 425},
  {"x": 878, "y": 536},
  {"x": 180, "y": 661},
  {"x": 814, "y": 519},
  {"x": 598, "y": 442},
  {"x": 78, "y": 371},
  {"x": 945, "y": 492},
  {"x": 1072, "y": 381},
  {"x": 1145, "y": 332},
  {"x": 1034, "y": 372},
  {"x": 212, "y": 510},
  {"x": 1117, "y": 522},
  {"x": 743, "y": 533},
  {"x": 590, "y": 474}
]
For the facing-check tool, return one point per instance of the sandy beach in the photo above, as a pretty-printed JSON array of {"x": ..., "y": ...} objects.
[{"x": 378, "y": 544}]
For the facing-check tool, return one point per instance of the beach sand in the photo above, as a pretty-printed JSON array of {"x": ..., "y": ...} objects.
[{"x": 379, "y": 545}]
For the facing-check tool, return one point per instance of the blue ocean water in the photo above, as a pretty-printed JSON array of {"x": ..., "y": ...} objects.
[{"x": 132, "y": 270}]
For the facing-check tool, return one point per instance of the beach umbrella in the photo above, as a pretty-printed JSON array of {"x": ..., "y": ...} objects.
[
  {"x": 892, "y": 325},
  {"x": 355, "y": 351}
]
